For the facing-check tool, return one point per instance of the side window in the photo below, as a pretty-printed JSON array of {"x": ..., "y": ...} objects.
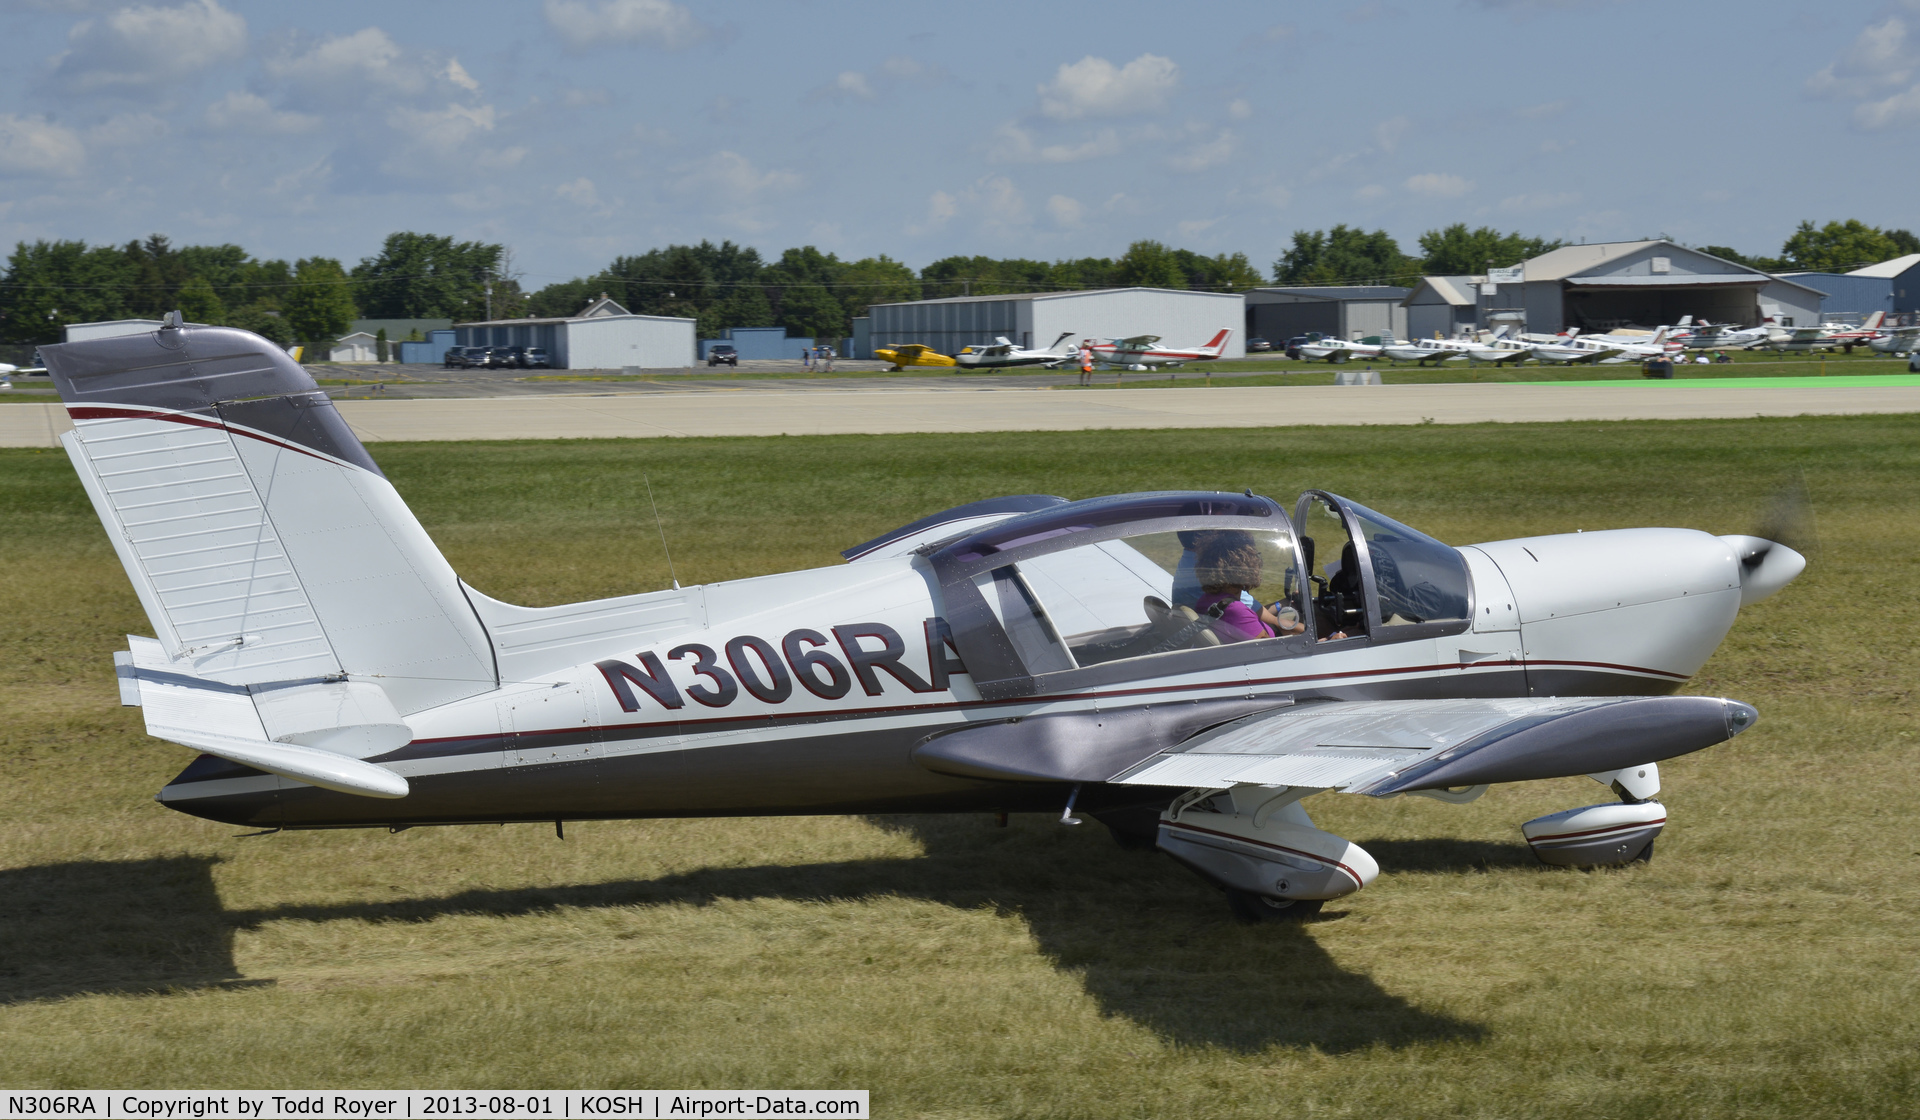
[{"x": 1147, "y": 595}]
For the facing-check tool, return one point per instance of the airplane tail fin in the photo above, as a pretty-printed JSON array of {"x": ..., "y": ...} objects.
[
  {"x": 1873, "y": 321},
  {"x": 1064, "y": 336},
  {"x": 1219, "y": 341},
  {"x": 270, "y": 553}
]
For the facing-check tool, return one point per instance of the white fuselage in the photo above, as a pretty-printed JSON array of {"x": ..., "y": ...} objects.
[
  {"x": 1427, "y": 350},
  {"x": 803, "y": 692}
]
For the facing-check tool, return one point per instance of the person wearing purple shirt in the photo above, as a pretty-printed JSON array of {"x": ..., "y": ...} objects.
[{"x": 1228, "y": 565}]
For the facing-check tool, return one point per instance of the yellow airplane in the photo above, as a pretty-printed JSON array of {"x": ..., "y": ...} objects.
[{"x": 913, "y": 354}]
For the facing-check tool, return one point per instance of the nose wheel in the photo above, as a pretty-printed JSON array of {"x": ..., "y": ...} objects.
[{"x": 1262, "y": 909}]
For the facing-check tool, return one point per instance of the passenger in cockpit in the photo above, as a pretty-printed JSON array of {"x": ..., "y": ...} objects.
[
  {"x": 1229, "y": 566},
  {"x": 1186, "y": 585}
]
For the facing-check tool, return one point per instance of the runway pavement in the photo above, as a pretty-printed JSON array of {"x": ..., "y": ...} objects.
[{"x": 774, "y": 411}]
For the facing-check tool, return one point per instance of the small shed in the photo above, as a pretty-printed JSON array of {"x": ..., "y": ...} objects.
[
  {"x": 356, "y": 347},
  {"x": 1443, "y": 306}
]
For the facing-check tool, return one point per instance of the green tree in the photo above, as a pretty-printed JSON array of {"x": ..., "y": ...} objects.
[
  {"x": 270, "y": 325},
  {"x": 1903, "y": 241},
  {"x": 319, "y": 306},
  {"x": 1457, "y": 250},
  {"x": 1837, "y": 246},
  {"x": 1149, "y": 264},
  {"x": 420, "y": 276},
  {"x": 48, "y": 284},
  {"x": 197, "y": 302},
  {"x": 557, "y": 301},
  {"x": 1222, "y": 273},
  {"x": 872, "y": 280},
  {"x": 1344, "y": 255},
  {"x": 380, "y": 344}
]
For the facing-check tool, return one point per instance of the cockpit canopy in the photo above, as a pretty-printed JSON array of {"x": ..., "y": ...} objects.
[{"x": 1078, "y": 593}]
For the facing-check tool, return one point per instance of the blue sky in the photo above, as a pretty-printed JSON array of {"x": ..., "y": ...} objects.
[{"x": 576, "y": 130}]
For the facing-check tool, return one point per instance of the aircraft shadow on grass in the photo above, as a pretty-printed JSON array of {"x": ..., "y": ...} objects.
[{"x": 1147, "y": 940}]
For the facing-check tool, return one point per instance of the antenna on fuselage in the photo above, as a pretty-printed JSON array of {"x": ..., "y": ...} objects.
[{"x": 663, "y": 531}]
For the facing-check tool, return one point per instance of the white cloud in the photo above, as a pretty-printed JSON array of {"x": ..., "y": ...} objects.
[
  {"x": 445, "y": 131},
  {"x": 734, "y": 176},
  {"x": 345, "y": 65},
  {"x": 1196, "y": 225},
  {"x": 1539, "y": 201},
  {"x": 941, "y": 207},
  {"x": 1543, "y": 111},
  {"x": 250, "y": 113},
  {"x": 1878, "y": 60},
  {"x": 126, "y": 130},
  {"x": 583, "y": 193},
  {"x": 37, "y": 146},
  {"x": 1238, "y": 109},
  {"x": 1207, "y": 153},
  {"x": 457, "y": 74},
  {"x": 1066, "y": 212},
  {"x": 139, "y": 48},
  {"x": 850, "y": 84},
  {"x": 1370, "y": 192},
  {"x": 1388, "y": 133},
  {"x": 1902, "y": 108},
  {"x": 1013, "y": 144},
  {"x": 1094, "y": 87},
  {"x": 1438, "y": 185},
  {"x": 656, "y": 22}
]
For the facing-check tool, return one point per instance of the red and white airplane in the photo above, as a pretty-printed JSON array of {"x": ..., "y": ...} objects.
[
  {"x": 1824, "y": 337},
  {"x": 327, "y": 668},
  {"x": 1144, "y": 351}
]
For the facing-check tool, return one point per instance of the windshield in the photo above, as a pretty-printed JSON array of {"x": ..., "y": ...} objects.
[{"x": 1419, "y": 579}]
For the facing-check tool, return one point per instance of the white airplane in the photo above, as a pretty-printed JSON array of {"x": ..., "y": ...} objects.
[
  {"x": 1424, "y": 350},
  {"x": 1895, "y": 340},
  {"x": 1499, "y": 349},
  {"x": 1710, "y": 336},
  {"x": 1004, "y": 354},
  {"x": 1825, "y": 337},
  {"x": 1145, "y": 352},
  {"x": 328, "y": 669},
  {"x": 1337, "y": 350},
  {"x": 1570, "y": 349}
]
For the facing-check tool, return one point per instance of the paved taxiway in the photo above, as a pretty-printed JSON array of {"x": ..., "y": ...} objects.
[{"x": 774, "y": 411}]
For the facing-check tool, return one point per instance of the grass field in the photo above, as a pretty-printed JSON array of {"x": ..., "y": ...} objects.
[{"x": 1764, "y": 965}]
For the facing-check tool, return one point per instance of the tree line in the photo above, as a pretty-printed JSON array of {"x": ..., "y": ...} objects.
[{"x": 420, "y": 276}]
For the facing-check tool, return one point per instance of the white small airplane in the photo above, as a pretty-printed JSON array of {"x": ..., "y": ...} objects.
[
  {"x": 1895, "y": 340},
  {"x": 328, "y": 669},
  {"x": 1570, "y": 349},
  {"x": 1500, "y": 349},
  {"x": 1144, "y": 351},
  {"x": 1003, "y": 354},
  {"x": 1712, "y": 336},
  {"x": 1424, "y": 350},
  {"x": 1824, "y": 337},
  {"x": 1337, "y": 350}
]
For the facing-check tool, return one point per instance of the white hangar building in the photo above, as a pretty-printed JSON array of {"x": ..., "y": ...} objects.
[
  {"x": 1645, "y": 284},
  {"x": 604, "y": 335},
  {"x": 1180, "y": 318}
]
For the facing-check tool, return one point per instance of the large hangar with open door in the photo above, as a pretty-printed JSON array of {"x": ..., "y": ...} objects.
[
  {"x": 1036, "y": 320},
  {"x": 1649, "y": 284}
]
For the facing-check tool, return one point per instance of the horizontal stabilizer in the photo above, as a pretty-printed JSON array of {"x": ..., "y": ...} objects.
[
  {"x": 303, "y": 764},
  {"x": 1386, "y": 747},
  {"x": 223, "y": 720}
]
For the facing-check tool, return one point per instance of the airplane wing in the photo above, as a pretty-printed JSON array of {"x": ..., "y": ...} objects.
[
  {"x": 910, "y": 350},
  {"x": 1138, "y": 342},
  {"x": 1376, "y": 747}
]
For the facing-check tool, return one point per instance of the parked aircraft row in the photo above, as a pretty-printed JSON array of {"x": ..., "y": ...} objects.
[
  {"x": 1137, "y": 353},
  {"x": 1570, "y": 348}
]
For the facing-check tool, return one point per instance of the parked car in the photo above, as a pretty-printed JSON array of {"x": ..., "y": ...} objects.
[
  {"x": 467, "y": 357},
  {"x": 1913, "y": 362},
  {"x": 1297, "y": 341},
  {"x": 500, "y": 357},
  {"x": 534, "y": 357},
  {"x": 722, "y": 353},
  {"x": 454, "y": 358},
  {"x": 1258, "y": 345}
]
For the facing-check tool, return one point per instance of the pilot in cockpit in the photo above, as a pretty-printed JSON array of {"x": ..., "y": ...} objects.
[{"x": 1228, "y": 567}]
